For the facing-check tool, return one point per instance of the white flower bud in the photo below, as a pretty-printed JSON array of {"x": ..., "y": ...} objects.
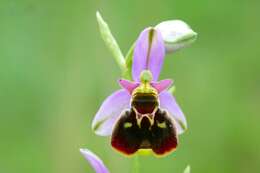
[{"x": 176, "y": 34}]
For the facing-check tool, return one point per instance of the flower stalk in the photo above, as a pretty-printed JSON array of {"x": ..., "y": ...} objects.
[
  {"x": 129, "y": 61},
  {"x": 136, "y": 168}
]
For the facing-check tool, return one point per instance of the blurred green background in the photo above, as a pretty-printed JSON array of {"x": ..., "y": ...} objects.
[{"x": 55, "y": 71}]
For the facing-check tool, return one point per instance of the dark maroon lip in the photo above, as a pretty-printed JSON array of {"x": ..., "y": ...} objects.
[{"x": 160, "y": 134}]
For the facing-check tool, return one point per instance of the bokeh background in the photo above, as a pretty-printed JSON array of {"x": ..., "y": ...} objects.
[{"x": 55, "y": 71}]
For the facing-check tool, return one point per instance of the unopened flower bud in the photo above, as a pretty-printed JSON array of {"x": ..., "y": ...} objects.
[{"x": 176, "y": 34}]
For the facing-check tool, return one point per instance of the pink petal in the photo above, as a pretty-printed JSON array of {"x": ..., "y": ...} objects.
[
  {"x": 162, "y": 85},
  {"x": 149, "y": 53},
  {"x": 168, "y": 102},
  {"x": 94, "y": 161},
  {"x": 128, "y": 85},
  {"x": 109, "y": 111}
]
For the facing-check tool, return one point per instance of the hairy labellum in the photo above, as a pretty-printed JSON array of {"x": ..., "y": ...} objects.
[{"x": 144, "y": 125}]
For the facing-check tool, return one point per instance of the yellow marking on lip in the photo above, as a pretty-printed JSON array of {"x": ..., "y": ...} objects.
[
  {"x": 145, "y": 152},
  {"x": 161, "y": 125},
  {"x": 127, "y": 125},
  {"x": 139, "y": 120}
]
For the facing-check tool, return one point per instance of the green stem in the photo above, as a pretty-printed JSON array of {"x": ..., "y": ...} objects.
[
  {"x": 127, "y": 74},
  {"x": 136, "y": 165}
]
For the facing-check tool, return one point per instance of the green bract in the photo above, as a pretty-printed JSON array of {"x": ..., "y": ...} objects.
[{"x": 110, "y": 42}]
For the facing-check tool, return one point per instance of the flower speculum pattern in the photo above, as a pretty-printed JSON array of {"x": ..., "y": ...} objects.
[{"x": 145, "y": 125}]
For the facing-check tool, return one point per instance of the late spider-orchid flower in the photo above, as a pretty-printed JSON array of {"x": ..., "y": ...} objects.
[{"x": 143, "y": 114}]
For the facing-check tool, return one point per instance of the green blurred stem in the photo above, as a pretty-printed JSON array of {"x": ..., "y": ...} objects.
[
  {"x": 129, "y": 61},
  {"x": 111, "y": 43},
  {"x": 136, "y": 165}
]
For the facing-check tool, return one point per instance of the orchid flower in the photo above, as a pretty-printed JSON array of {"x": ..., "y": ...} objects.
[
  {"x": 98, "y": 165},
  {"x": 143, "y": 114}
]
